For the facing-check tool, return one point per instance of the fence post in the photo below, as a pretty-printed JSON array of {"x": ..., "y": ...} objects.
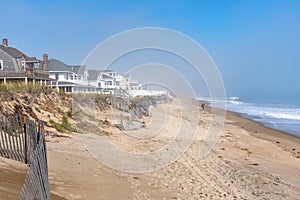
[
  {"x": 25, "y": 142},
  {"x": 37, "y": 123},
  {"x": 38, "y": 131},
  {"x": 122, "y": 124}
]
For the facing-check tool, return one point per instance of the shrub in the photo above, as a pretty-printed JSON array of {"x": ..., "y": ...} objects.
[
  {"x": 38, "y": 109},
  {"x": 64, "y": 126}
]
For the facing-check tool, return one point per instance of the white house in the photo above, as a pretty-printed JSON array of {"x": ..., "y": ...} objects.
[
  {"x": 69, "y": 78},
  {"x": 106, "y": 81},
  {"x": 94, "y": 80}
]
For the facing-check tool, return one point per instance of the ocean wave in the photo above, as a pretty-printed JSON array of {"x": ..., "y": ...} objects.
[
  {"x": 276, "y": 111},
  {"x": 283, "y": 114},
  {"x": 265, "y": 112},
  {"x": 234, "y": 98},
  {"x": 284, "y": 117},
  {"x": 235, "y": 102}
]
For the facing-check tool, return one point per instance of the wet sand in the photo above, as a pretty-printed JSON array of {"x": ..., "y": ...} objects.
[{"x": 284, "y": 140}]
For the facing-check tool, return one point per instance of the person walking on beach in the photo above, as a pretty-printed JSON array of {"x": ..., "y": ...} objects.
[{"x": 202, "y": 106}]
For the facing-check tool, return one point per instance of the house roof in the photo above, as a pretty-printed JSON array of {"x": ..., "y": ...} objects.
[
  {"x": 105, "y": 70},
  {"x": 77, "y": 69},
  {"x": 104, "y": 76},
  {"x": 108, "y": 70},
  {"x": 32, "y": 59},
  {"x": 12, "y": 51},
  {"x": 16, "y": 53},
  {"x": 93, "y": 74},
  {"x": 56, "y": 65}
]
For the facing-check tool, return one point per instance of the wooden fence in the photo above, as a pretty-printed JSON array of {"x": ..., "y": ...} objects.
[
  {"x": 36, "y": 184},
  {"x": 12, "y": 139},
  {"x": 23, "y": 140}
]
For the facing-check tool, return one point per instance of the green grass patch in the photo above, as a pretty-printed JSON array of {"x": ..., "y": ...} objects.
[
  {"x": 38, "y": 109},
  {"x": 63, "y": 127}
]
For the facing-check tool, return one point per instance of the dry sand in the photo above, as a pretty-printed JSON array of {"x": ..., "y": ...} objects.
[
  {"x": 12, "y": 177},
  {"x": 249, "y": 162}
]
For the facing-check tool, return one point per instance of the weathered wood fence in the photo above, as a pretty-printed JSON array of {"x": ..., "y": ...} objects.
[{"x": 23, "y": 140}]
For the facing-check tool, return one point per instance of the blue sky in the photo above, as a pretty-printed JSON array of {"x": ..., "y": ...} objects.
[{"x": 254, "y": 43}]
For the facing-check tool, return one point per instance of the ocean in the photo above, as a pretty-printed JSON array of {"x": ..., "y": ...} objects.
[{"x": 283, "y": 116}]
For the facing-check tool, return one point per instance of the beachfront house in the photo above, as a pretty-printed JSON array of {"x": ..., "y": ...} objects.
[
  {"x": 109, "y": 77},
  {"x": 135, "y": 89},
  {"x": 106, "y": 81},
  {"x": 115, "y": 83},
  {"x": 94, "y": 79},
  {"x": 16, "y": 66},
  {"x": 69, "y": 78}
]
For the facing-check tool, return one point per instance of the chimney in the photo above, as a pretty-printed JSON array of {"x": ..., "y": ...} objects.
[
  {"x": 5, "y": 42},
  {"x": 45, "y": 61}
]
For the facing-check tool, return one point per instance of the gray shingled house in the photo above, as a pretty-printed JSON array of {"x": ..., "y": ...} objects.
[{"x": 17, "y": 66}]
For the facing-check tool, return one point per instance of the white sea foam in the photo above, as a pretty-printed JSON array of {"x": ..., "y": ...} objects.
[
  {"x": 286, "y": 114},
  {"x": 280, "y": 116},
  {"x": 234, "y": 98},
  {"x": 235, "y": 102},
  {"x": 264, "y": 112}
]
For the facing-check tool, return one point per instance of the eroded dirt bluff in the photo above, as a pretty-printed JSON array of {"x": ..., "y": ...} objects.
[
  {"x": 64, "y": 112},
  {"x": 37, "y": 103}
]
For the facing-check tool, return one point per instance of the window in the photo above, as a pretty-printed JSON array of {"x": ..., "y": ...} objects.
[
  {"x": 1, "y": 64},
  {"x": 23, "y": 65},
  {"x": 56, "y": 76},
  {"x": 68, "y": 89},
  {"x": 109, "y": 82}
]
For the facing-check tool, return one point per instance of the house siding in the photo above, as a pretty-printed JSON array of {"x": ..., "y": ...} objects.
[{"x": 9, "y": 63}]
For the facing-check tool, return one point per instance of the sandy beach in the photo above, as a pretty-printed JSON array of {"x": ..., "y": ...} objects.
[
  {"x": 150, "y": 100},
  {"x": 249, "y": 161}
]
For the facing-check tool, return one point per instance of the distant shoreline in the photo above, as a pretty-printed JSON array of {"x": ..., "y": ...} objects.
[
  {"x": 243, "y": 115},
  {"x": 272, "y": 120},
  {"x": 282, "y": 139},
  {"x": 261, "y": 123}
]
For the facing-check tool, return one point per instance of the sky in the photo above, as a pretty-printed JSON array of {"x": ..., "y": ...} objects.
[{"x": 255, "y": 44}]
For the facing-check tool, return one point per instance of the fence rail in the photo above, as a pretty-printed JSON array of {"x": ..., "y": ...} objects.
[{"x": 23, "y": 140}]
